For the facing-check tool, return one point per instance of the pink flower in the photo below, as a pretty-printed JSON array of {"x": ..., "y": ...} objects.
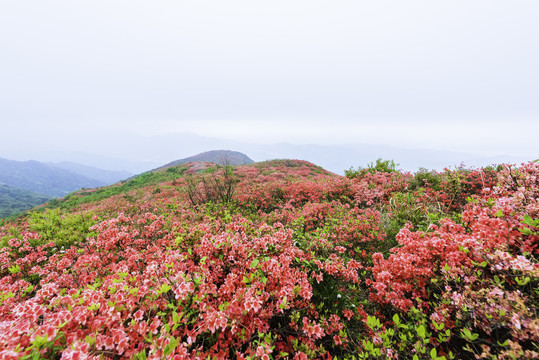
[
  {"x": 73, "y": 355},
  {"x": 516, "y": 321},
  {"x": 260, "y": 351},
  {"x": 138, "y": 315},
  {"x": 109, "y": 343},
  {"x": 348, "y": 313},
  {"x": 122, "y": 345}
]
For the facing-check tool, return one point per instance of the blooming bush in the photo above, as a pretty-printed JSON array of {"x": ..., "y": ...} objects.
[{"x": 298, "y": 263}]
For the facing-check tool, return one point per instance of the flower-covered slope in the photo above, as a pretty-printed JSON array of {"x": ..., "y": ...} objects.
[{"x": 278, "y": 260}]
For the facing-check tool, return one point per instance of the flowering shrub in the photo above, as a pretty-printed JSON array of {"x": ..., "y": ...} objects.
[{"x": 298, "y": 263}]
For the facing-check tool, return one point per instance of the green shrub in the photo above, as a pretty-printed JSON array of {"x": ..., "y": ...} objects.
[
  {"x": 426, "y": 178},
  {"x": 380, "y": 165},
  {"x": 65, "y": 229}
]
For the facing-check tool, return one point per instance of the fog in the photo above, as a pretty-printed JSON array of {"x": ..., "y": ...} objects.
[{"x": 93, "y": 77}]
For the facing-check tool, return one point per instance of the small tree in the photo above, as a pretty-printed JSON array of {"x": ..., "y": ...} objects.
[{"x": 218, "y": 184}]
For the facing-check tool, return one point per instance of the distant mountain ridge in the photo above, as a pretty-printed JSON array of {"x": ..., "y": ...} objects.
[
  {"x": 140, "y": 153},
  {"x": 221, "y": 157},
  {"x": 105, "y": 176},
  {"x": 42, "y": 178},
  {"x": 25, "y": 184}
]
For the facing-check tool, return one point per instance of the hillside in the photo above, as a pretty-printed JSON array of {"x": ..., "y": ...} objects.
[
  {"x": 14, "y": 201},
  {"x": 42, "y": 178},
  {"x": 220, "y": 157},
  {"x": 278, "y": 260}
]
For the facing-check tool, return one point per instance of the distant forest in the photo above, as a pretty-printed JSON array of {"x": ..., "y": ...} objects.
[{"x": 14, "y": 201}]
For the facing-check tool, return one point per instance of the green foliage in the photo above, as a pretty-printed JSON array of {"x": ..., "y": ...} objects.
[
  {"x": 63, "y": 228},
  {"x": 386, "y": 166},
  {"x": 409, "y": 336},
  {"x": 424, "y": 178},
  {"x": 414, "y": 208},
  {"x": 43, "y": 348},
  {"x": 533, "y": 223}
]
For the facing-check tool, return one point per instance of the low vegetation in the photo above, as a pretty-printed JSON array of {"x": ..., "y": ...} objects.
[{"x": 279, "y": 260}]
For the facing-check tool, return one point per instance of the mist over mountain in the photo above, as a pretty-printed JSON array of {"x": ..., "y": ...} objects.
[
  {"x": 105, "y": 176},
  {"x": 138, "y": 153},
  {"x": 335, "y": 158}
]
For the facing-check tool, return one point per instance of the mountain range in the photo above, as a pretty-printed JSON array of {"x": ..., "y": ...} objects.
[
  {"x": 139, "y": 153},
  {"x": 43, "y": 178},
  {"x": 25, "y": 184}
]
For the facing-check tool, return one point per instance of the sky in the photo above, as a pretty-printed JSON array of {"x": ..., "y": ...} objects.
[{"x": 448, "y": 74}]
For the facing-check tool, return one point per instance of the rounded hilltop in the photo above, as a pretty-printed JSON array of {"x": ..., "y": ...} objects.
[{"x": 222, "y": 157}]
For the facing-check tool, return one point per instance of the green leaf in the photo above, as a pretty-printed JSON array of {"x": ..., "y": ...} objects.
[
  {"x": 284, "y": 304},
  {"x": 446, "y": 267},
  {"x": 421, "y": 331},
  {"x": 167, "y": 350},
  {"x": 528, "y": 220},
  {"x": 254, "y": 263},
  {"x": 463, "y": 249},
  {"x": 467, "y": 334},
  {"x": 14, "y": 269},
  {"x": 164, "y": 288},
  {"x": 522, "y": 281},
  {"x": 141, "y": 355},
  {"x": 396, "y": 319},
  {"x": 438, "y": 326},
  {"x": 504, "y": 344},
  {"x": 369, "y": 346},
  {"x": 499, "y": 213},
  {"x": 93, "y": 307}
]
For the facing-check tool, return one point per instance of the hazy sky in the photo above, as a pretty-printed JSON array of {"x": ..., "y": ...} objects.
[{"x": 447, "y": 74}]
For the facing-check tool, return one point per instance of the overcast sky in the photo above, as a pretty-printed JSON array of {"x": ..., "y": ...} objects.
[{"x": 459, "y": 75}]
